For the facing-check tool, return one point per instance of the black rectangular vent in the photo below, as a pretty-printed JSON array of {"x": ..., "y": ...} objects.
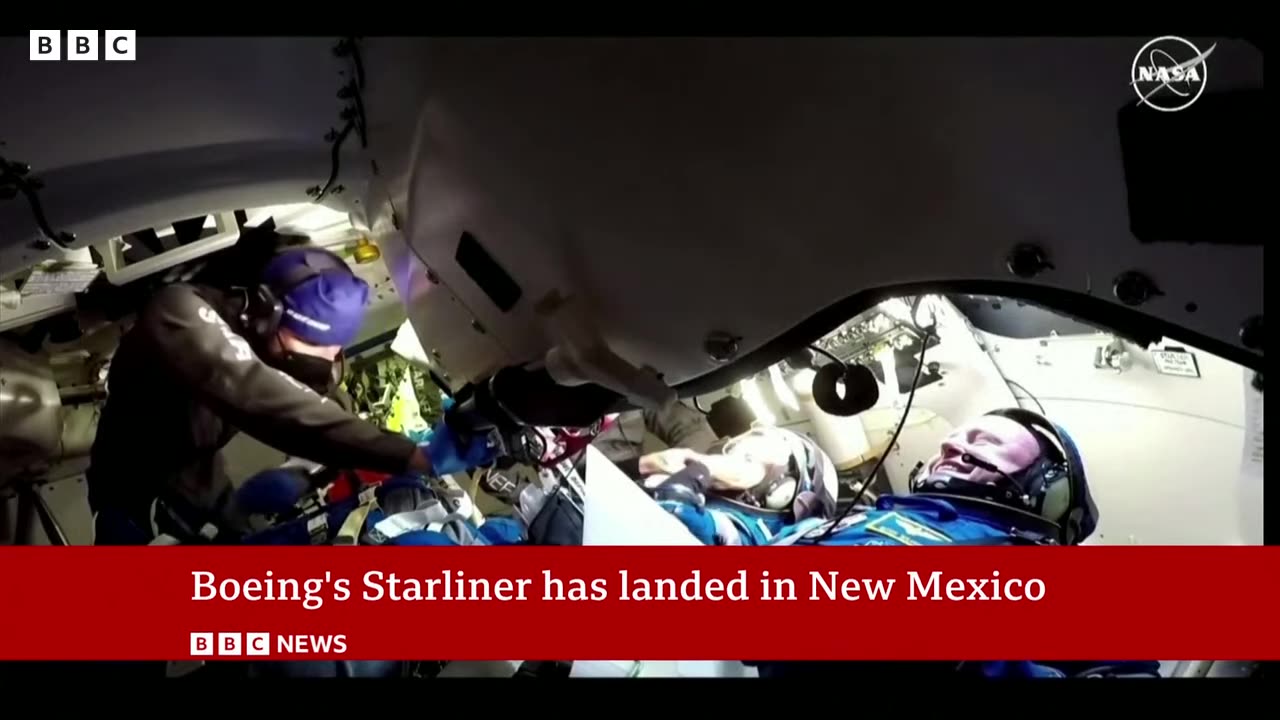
[{"x": 485, "y": 271}]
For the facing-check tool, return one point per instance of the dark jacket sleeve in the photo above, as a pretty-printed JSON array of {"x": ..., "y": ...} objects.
[
  {"x": 680, "y": 426},
  {"x": 194, "y": 343}
]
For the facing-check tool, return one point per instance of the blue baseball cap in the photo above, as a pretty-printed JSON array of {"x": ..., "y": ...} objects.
[{"x": 327, "y": 307}]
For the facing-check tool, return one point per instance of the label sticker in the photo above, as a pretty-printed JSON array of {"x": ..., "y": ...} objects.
[
  {"x": 318, "y": 528},
  {"x": 59, "y": 280},
  {"x": 1172, "y": 361}
]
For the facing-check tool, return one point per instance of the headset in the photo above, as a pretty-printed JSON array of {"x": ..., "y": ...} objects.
[
  {"x": 264, "y": 307},
  {"x": 808, "y": 471},
  {"x": 1027, "y": 490}
]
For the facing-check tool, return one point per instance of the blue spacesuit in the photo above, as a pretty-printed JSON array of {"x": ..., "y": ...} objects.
[
  {"x": 959, "y": 499},
  {"x": 1047, "y": 502},
  {"x": 798, "y": 485}
]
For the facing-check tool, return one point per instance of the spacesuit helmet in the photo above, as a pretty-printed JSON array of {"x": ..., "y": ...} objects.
[
  {"x": 1017, "y": 459},
  {"x": 799, "y": 477}
]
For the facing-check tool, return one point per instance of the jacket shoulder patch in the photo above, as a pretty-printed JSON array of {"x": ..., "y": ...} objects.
[{"x": 903, "y": 529}]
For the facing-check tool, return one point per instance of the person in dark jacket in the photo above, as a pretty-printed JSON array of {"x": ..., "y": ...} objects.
[
  {"x": 204, "y": 362},
  {"x": 678, "y": 425}
]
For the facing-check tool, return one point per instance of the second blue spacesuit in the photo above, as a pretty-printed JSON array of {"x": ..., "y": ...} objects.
[{"x": 1008, "y": 478}]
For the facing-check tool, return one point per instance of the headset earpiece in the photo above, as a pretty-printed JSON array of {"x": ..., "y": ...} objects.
[
  {"x": 262, "y": 313},
  {"x": 1067, "y": 456},
  {"x": 861, "y": 391}
]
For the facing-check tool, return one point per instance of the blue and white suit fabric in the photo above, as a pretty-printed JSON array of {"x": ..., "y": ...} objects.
[
  {"x": 895, "y": 520},
  {"x": 1056, "y": 508},
  {"x": 801, "y": 489},
  {"x": 925, "y": 520},
  {"x": 902, "y": 521}
]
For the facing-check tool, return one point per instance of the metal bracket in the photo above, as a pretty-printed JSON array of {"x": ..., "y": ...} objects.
[{"x": 119, "y": 273}]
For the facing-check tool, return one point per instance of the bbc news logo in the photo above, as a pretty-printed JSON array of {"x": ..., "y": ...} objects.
[
  {"x": 259, "y": 644},
  {"x": 84, "y": 45}
]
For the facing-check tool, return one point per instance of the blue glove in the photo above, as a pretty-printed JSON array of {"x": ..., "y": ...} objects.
[
  {"x": 422, "y": 437},
  {"x": 272, "y": 492},
  {"x": 448, "y": 457}
]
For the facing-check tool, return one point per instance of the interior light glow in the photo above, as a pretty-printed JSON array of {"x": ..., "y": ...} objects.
[
  {"x": 785, "y": 396},
  {"x": 755, "y": 400}
]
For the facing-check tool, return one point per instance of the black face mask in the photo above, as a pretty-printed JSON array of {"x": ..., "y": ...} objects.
[{"x": 316, "y": 373}]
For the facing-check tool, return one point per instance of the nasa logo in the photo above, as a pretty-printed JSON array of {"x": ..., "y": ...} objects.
[{"x": 1169, "y": 73}]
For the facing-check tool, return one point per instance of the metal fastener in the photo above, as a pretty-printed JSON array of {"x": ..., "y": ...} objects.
[
  {"x": 1027, "y": 261},
  {"x": 722, "y": 346},
  {"x": 1134, "y": 288}
]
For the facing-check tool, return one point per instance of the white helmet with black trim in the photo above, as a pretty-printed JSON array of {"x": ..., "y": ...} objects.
[{"x": 799, "y": 477}]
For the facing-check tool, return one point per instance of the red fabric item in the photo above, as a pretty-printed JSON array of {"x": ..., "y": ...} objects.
[
  {"x": 574, "y": 444},
  {"x": 350, "y": 482}
]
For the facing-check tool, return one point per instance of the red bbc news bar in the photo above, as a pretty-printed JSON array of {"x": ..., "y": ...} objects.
[{"x": 371, "y": 603}]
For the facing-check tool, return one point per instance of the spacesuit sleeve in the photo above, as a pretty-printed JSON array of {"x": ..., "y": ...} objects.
[
  {"x": 193, "y": 342},
  {"x": 681, "y": 426}
]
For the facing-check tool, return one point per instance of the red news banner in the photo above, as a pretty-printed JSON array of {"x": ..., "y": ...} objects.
[{"x": 640, "y": 603}]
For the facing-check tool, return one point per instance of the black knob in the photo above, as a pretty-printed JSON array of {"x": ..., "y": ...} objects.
[
  {"x": 1134, "y": 288},
  {"x": 721, "y": 346},
  {"x": 802, "y": 358},
  {"x": 1026, "y": 261}
]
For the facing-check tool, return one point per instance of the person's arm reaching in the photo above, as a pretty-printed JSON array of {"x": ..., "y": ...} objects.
[
  {"x": 196, "y": 345},
  {"x": 680, "y": 426},
  {"x": 727, "y": 472}
]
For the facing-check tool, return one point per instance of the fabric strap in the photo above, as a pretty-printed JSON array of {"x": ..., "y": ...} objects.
[{"x": 353, "y": 526}]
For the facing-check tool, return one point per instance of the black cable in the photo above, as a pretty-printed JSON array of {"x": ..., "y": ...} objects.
[
  {"x": 880, "y": 463},
  {"x": 335, "y": 154},
  {"x": 1013, "y": 384},
  {"x": 926, "y": 333},
  {"x": 698, "y": 406},
  {"x": 826, "y": 353},
  {"x": 359, "y": 62},
  {"x": 14, "y": 180}
]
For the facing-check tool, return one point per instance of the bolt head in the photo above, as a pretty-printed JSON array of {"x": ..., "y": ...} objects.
[
  {"x": 1134, "y": 288},
  {"x": 722, "y": 346},
  {"x": 1027, "y": 261}
]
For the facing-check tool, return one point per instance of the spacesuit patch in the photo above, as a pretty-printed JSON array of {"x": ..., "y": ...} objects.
[{"x": 905, "y": 530}]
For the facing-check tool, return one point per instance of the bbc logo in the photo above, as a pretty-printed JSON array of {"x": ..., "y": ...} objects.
[
  {"x": 232, "y": 644},
  {"x": 84, "y": 44}
]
